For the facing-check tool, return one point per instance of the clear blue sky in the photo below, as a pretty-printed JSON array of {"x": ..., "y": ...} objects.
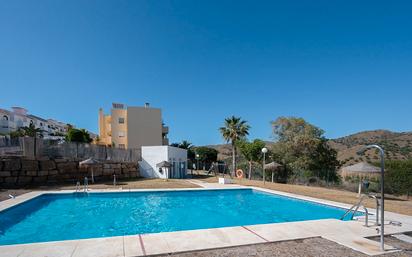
[{"x": 330, "y": 62}]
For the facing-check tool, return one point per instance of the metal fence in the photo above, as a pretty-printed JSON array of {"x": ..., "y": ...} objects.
[
  {"x": 54, "y": 149},
  {"x": 10, "y": 146},
  {"x": 37, "y": 147},
  {"x": 9, "y": 142}
]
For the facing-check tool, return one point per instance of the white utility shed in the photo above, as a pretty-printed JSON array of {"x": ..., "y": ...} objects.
[{"x": 152, "y": 156}]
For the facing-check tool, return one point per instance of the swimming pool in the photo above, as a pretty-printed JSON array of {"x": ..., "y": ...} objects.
[{"x": 53, "y": 217}]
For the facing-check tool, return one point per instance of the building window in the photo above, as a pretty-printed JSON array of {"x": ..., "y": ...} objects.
[
  {"x": 122, "y": 146},
  {"x": 121, "y": 134},
  {"x": 121, "y": 120},
  {"x": 5, "y": 124}
]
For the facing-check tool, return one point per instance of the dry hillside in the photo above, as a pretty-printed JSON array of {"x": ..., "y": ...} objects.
[{"x": 397, "y": 145}]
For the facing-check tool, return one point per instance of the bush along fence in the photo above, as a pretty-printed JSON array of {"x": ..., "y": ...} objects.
[{"x": 20, "y": 171}]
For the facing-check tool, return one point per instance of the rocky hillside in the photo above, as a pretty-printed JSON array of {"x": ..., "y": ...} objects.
[{"x": 397, "y": 145}]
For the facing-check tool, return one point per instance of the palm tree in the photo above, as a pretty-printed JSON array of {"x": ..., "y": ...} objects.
[
  {"x": 185, "y": 145},
  {"x": 31, "y": 131},
  {"x": 234, "y": 129}
]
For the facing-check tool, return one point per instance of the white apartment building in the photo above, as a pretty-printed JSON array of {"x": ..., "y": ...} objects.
[{"x": 18, "y": 117}]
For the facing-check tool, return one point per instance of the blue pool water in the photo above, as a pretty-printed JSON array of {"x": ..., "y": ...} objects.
[{"x": 52, "y": 217}]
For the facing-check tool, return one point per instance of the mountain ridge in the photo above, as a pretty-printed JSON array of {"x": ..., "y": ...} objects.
[{"x": 397, "y": 146}]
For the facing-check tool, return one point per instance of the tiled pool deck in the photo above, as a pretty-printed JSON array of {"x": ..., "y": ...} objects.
[{"x": 351, "y": 234}]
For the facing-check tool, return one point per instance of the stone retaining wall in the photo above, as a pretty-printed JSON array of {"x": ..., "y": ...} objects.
[{"x": 18, "y": 171}]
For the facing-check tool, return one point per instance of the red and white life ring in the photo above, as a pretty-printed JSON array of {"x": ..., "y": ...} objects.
[{"x": 239, "y": 173}]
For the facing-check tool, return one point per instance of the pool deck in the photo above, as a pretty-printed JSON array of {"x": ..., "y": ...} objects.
[{"x": 352, "y": 234}]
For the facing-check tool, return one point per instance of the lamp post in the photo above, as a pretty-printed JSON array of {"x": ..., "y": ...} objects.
[
  {"x": 197, "y": 165},
  {"x": 264, "y": 151},
  {"x": 382, "y": 154}
]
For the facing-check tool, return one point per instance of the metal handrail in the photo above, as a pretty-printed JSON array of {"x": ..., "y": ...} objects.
[
  {"x": 353, "y": 206},
  {"x": 377, "y": 208},
  {"x": 354, "y": 209},
  {"x": 86, "y": 184}
]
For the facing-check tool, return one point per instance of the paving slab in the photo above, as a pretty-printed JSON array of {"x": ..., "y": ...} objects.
[
  {"x": 282, "y": 231},
  {"x": 51, "y": 249},
  {"x": 55, "y": 249},
  {"x": 99, "y": 247},
  {"x": 155, "y": 244},
  {"x": 132, "y": 246},
  {"x": 11, "y": 250},
  {"x": 19, "y": 199},
  {"x": 360, "y": 244},
  {"x": 210, "y": 238},
  {"x": 404, "y": 238}
]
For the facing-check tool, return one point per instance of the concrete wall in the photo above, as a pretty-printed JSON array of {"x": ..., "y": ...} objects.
[
  {"x": 144, "y": 127},
  {"x": 18, "y": 172},
  {"x": 152, "y": 155}
]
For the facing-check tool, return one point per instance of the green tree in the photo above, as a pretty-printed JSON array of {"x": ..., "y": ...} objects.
[
  {"x": 234, "y": 129},
  {"x": 398, "y": 177},
  {"x": 17, "y": 133},
  {"x": 252, "y": 151},
  {"x": 303, "y": 148},
  {"x": 206, "y": 154},
  {"x": 78, "y": 135},
  {"x": 325, "y": 162}
]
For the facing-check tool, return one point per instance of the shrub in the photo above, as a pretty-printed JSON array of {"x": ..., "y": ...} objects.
[
  {"x": 398, "y": 177},
  {"x": 78, "y": 135}
]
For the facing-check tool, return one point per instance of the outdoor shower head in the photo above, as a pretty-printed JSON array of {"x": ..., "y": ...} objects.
[{"x": 366, "y": 147}]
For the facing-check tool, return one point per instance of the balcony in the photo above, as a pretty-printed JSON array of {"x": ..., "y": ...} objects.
[{"x": 4, "y": 124}]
